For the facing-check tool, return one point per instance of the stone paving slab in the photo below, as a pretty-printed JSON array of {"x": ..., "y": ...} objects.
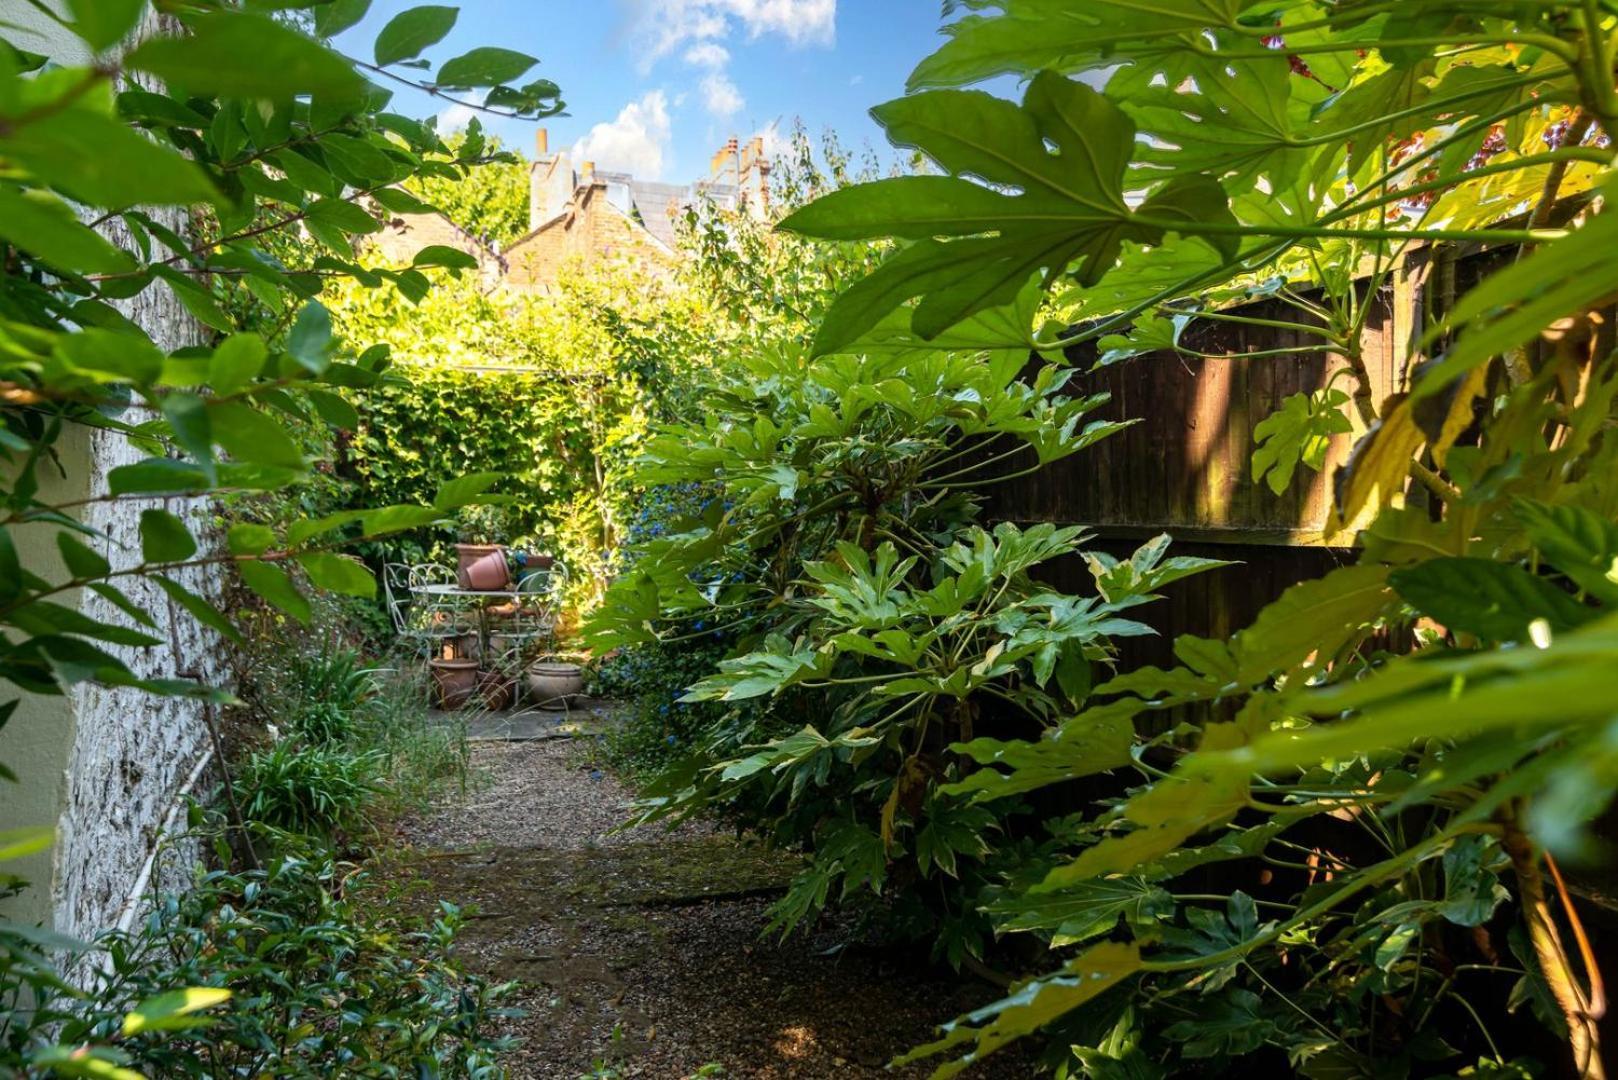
[{"x": 587, "y": 717}]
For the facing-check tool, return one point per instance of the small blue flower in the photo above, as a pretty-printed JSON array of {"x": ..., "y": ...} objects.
[{"x": 670, "y": 740}]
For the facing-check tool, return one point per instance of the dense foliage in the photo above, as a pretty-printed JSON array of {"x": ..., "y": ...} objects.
[
  {"x": 270, "y": 953},
  {"x": 489, "y": 202},
  {"x": 1345, "y": 864},
  {"x": 556, "y": 391},
  {"x": 207, "y": 141}
]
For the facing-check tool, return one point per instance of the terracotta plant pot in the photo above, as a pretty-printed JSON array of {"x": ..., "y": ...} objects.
[
  {"x": 467, "y": 554},
  {"x": 553, "y": 686},
  {"x": 456, "y": 680},
  {"x": 487, "y": 574},
  {"x": 495, "y": 691}
]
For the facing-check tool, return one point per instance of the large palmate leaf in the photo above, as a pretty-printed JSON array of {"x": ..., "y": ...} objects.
[
  {"x": 1094, "y": 741},
  {"x": 1581, "y": 544},
  {"x": 1234, "y": 119},
  {"x": 1300, "y": 431},
  {"x": 1492, "y": 600},
  {"x": 1032, "y": 35},
  {"x": 1013, "y": 205},
  {"x": 1515, "y": 305},
  {"x": 1084, "y": 911},
  {"x": 1571, "y": 681},
  {"x": 1030, "y": 1007}
]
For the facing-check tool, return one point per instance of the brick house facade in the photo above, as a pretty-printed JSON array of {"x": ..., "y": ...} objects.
[{"x": 579, "y": 214}]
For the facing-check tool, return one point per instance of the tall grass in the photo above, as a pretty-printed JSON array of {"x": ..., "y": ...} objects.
[{"x": 351, "y": 744}]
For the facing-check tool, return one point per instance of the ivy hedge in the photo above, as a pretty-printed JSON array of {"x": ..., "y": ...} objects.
[{"x": 556, "y": 391}]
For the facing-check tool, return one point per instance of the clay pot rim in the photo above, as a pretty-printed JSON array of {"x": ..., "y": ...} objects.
[
  {"x": 554, "y": 667},
  {"x": 460, "y": 663}
]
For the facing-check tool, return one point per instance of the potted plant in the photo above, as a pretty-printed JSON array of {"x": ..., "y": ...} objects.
[
  {"x": 496, "y": 690},
  {"x": 554, "y": 684},
  {"x": 524, "y": 558},
  {"x": 479, "y": 534},
  {"x": 456, "y": 679}
]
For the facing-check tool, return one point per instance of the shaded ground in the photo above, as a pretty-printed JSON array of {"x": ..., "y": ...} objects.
[{"x": 640, "y": 952}]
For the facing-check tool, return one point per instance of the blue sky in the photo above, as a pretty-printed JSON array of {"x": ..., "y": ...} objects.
[{"x": 655, "y": 86}]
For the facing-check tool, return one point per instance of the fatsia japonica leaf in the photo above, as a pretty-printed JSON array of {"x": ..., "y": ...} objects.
[
  {"x": 1578, "y": 542},
  {"x": 1095, "y": 741},
  {"x": 1512, "y": 308},
  {"x": 1233, "y": 119},
  {"x": 1309, "y": 623},
  {"x": 1029, "y": 1007},
  {"x": 1299, "y": 432},
  {"x": 1154, "y": 333},
  {"x": 1084, "y": 911},
  {"x": 1031, "y": 35},
  {"x": 1013, "y": 206},
  {"x": 1492, "y": 600}
]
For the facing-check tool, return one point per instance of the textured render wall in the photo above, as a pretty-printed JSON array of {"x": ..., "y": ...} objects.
[
  {"x": 131, "y": 751},
  {"x": 106, "y": 762}
]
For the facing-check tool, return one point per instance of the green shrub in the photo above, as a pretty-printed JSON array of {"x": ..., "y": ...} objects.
[
  {"x": 327, "y": 976},
  {"x": 318, "y": 790},
  {"x": 655, "y": 727},
  {"x": 331, "y": 676}
]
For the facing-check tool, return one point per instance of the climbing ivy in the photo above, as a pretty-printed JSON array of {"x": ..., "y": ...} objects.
[{"x": 556, "y": 391}]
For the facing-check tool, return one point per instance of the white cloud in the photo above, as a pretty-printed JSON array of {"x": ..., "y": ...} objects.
[
  {"x": 802, "y": 22},
  {"x": 455, "y": 118},
  {"x": 708, "y": 54},
  {"x": 662, "y": 27},
  {"x": 720, "y": 96},
  {"x": 636, "y": 142},
  {"x": 698, "y": 30}
]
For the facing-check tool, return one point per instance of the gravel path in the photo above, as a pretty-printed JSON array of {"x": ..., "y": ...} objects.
[
  {"x": 532, "y": 794},
  {"x": 638, "y": 953}
]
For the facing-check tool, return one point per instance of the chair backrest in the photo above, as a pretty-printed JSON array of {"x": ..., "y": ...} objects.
[
  {"x": 396, "y": 594},
  {"x": 396, "y": 577},
  {"x": 430, "y": 574},
  {"x": 544, "y": 584}
]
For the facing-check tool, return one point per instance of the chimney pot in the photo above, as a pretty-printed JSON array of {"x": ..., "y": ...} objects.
[{"x": 542, "y": 142}]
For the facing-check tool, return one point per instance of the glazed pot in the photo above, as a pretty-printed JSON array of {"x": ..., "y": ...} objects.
[
  {"x": 487, "y": 574},
  {"x": 456, "y": 681},
  {"x": 553, "y": 686},
  {"x": 496, "y": 691}
]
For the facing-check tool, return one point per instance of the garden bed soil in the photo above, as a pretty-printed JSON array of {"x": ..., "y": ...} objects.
[{"x": 638, "y": 954}]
